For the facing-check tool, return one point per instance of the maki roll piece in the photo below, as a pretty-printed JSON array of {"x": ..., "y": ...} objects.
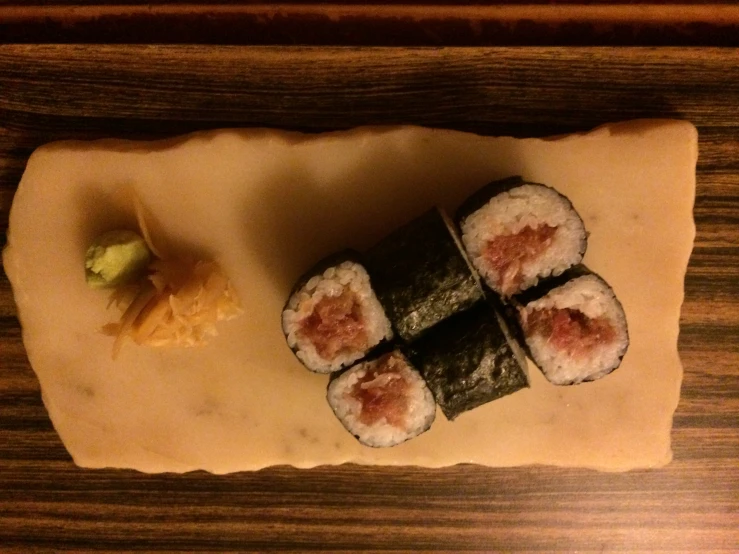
[
  {"x": 470, "y": 359},
  {"x": 516, "y": 233},
  {"x": 333, "y": 318},
  {"x": 421, "y": 275},
  {"x": 574, "y": 327},
  {"x": 383, "y": 401}
]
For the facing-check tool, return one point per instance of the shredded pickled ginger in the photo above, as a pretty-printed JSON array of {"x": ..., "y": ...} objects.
[{"x": 177, "y": 303}]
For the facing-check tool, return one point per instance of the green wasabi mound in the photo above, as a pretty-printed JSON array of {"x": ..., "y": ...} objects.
[{"x": 116, "y": 258}]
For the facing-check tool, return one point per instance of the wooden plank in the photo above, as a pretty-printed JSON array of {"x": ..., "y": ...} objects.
[
  {"x": 480, "y": 4},
  {"x": 414, "y": 23},
  {"x": 53, "y": 92},
  {"x": 474, "y": 88}
]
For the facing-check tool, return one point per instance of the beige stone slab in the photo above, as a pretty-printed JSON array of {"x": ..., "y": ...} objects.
[{"x": 266, "y": 205}]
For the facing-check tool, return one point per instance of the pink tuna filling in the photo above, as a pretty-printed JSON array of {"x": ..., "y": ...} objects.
[
  {"x": 383, "y": 393},
  {"x": 507, "y": 254},
  {"x": 570, "y": 331},
  {"x": 335, "y": 326}
]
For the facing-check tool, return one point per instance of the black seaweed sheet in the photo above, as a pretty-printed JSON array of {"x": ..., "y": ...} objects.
[
  {"x": 421, "y": 276},
  {"x": 544, "y": 287},
  {"x": 332, "y": 260},
  {"x": 318, "y": 268},
  {"x": 469, "y": 360},
  {"x": 478, "y": 199},
  {"x": 385, "y": 350}
]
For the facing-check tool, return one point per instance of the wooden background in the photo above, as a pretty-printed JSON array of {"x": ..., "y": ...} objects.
[
  {"x": 56, "y": 91},
  {"x": 379, "y": 22}
]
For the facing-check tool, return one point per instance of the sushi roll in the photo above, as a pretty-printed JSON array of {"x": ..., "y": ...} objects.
[
  {"x": 574, "y": 326},
  {"x": 470, "y": 359},
  {"x": 517, "y": 232},
  {"x": 383, "y": 401},
  {"x": 421, "y": 275},
  {"x": 332, "y": 317}
]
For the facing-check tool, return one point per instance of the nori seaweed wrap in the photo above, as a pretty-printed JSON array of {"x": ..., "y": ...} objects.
[
  {"x": 470, "y": 359},
  {"x": 421, "y": 275},
  {"x": 574, "y": 327},
  {"x": 516, "y": 232},
  {"x": 383, "y": 400},
  {"x": 332, "y": 317}
]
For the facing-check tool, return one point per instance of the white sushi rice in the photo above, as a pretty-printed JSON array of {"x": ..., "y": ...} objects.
[
  {"x": 418, "y": 417},
  {"x": 332, "y": 283},
  {"x": 594, "y": 298},
  {"x": 508, "y": 213}
]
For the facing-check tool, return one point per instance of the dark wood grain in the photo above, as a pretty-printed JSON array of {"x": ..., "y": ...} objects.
[
  {"x": 46, "y": 503},
  {"x": 382, "y": 22},
  {"x": 364, "y": 2}
]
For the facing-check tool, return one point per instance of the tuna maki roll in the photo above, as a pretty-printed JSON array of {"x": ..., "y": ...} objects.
[
  {"x": 517, "y": 232},
  {"x": 333, "y": 318},
  {"x": 383, "y": 401},
  {"x": 470, "y": 359},
  {"x": 421, "y": 275},
  {"x": 574, "y": 327}
]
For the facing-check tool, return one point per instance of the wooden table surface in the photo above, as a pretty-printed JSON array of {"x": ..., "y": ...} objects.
[
  {"x": 378, "y": 22},
  {"x": 60, "y": 91}
]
